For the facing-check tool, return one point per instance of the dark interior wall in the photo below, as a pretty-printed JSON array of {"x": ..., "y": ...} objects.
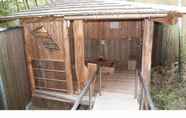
[
  {"x": 117, "y": 41},
  {"x": 13, "y": 69},
  {"x": 124, "y": 42}
]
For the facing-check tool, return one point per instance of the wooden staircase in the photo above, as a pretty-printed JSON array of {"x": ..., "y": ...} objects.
[{"x": 117, "y": 92}]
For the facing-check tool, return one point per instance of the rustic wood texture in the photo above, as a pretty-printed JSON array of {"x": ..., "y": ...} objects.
[
  {"x": 40, "y": 103},
  {"x": 94, "y": 8},
  {"x": 165, "y": 44},
  {"x": 102, "y": 30},
  {"x": 28, "y": 52},
  {"x": 147, "y": 50},
  {"x": 119, "y": 44},
  {"x": 52, "y": 30},
  {"x": 67, "y": 56},
  {"x": 81, "y": 69},
  {"x": 92, "y": 71},
  {"x": 13, "y": 72},
  {"x": 48, "y": 56},
  {"x": 98, "y": 9},
  {"x": 117, "y": 92}
]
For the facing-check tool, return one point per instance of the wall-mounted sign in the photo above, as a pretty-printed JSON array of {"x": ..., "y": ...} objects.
[{"x": 47, "y": 40}]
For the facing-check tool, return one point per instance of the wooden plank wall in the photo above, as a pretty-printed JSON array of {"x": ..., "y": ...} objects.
[
  {"x": 120, "y": 44},
  {"x": 147, "y": 51},
  {"x": 102, "y": 30},
  {"x": 81, "y": 69},
  {"x": 13, "y": 69},
  {"x": 165, "y": 45},
  {"x": 48, "y": 54}
]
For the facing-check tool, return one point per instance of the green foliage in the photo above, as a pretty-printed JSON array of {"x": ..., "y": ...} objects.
[
  {"x": 3, "y": 12},
  {"x": 167, "y": 92},
  {"x": 10, "y": 7},
  {"x": 17, "y": 5}
]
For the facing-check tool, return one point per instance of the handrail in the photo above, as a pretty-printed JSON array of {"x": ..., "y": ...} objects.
[
  {"x": 84, "y": 91},
  {"x": 145, "y": 93}
]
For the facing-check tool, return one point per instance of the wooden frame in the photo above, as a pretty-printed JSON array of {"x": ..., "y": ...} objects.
[
  {"x": 147, "y": 50},
  {"x": 64, "y": 37},
  {"x": 67, "y": 57},
  {"x": 28, "y": 52},
  {"x": 81, "y": 69}
]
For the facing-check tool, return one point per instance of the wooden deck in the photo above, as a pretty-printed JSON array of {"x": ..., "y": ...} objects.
[{"x": 117, "y": 92}]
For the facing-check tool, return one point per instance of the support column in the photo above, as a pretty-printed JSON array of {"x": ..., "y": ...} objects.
[
  {"x": 147, "y": 50},
  {"x": 67, "y": 57},
  {"x": 81, "y": 69},
  {"x": 28, "y": 52}
]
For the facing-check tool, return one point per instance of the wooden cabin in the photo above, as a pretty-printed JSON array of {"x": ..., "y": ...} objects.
[{"x": 92, "y": 46}]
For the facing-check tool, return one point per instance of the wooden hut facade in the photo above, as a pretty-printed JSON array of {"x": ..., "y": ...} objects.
[{"x": 70, "y": 43}]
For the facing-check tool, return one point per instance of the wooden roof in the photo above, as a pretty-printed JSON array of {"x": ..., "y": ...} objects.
[{"x": 100, "y": 8}]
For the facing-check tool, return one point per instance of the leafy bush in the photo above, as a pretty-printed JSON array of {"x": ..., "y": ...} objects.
[{"x": 167, "y": 92}]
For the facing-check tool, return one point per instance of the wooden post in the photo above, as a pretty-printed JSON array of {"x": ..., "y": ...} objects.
[
  {"x": 147, "y": 53},
  {"x": 28, "y": 52},
  {"x": 67, "y": 57},
  {"x": 81, "y": 69},
  {"x": 147, "y": 50}
]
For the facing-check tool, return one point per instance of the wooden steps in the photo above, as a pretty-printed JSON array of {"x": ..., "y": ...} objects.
[
  {"x": 117, "y": 92},
  {"x": 115, "y": 101}
]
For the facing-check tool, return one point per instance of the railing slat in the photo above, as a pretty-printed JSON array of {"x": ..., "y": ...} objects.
[
  {"x": 82, "y": 94},
  {"x": 92, "y": 76},
  {"x": 145, "y": 94}
]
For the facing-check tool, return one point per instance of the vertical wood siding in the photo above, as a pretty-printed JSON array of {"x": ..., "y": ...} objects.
[
  {"x": 13, "y": 69},
  {"x": 118, "y": 44},
  {"x": 46, "y": 48}
]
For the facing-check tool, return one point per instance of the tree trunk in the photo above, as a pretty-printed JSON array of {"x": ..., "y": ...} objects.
[
  {"x": 36, "y": 3},
  {"x": 17, "y": 5},
  {"x": 3, "y": 3},
  {"x": 27, "y": 4}
]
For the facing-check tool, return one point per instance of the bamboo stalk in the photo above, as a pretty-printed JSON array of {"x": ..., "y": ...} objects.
[
  {"x": 36, "y": 3},
  {"x": 27, "y": 4},
  {"x": 24, "y": 4},
  {"x": 17, "y": 5}
]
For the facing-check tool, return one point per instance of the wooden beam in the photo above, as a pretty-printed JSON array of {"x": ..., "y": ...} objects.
[
  {"x": 81, "y": 69},
  {"x": 59, "y": 97},
  {"x": 92, "y": 69},
  {"x": 41, "y": 19},
  {"x": 170, "y": 19},
  {"x": 166, "y": 20},
  {"x": 147, "y": 53},
  {"x": 147, "y": 50},
  {"x": 28, "y": 52},
  {"x": 89, "y": 17},
  {"x": 115, "y": 17},
  {"x": 67, "y": 58}
]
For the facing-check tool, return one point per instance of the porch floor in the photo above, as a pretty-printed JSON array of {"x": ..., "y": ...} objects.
[{"x": 117, "y": 92}]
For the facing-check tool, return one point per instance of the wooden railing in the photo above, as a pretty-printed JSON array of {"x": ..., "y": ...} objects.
[
  {"x": 92, "y": 77},
  {"x": 145, "y": 99}
]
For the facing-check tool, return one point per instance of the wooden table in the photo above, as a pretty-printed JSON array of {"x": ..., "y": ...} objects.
[{"x": 101, "y": 63}]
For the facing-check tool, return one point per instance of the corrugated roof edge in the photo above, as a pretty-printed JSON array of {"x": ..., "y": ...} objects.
[{"x": 170, "y": 8}]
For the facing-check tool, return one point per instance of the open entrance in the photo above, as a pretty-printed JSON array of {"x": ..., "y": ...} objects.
[{"x": 116, "y": 47}]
